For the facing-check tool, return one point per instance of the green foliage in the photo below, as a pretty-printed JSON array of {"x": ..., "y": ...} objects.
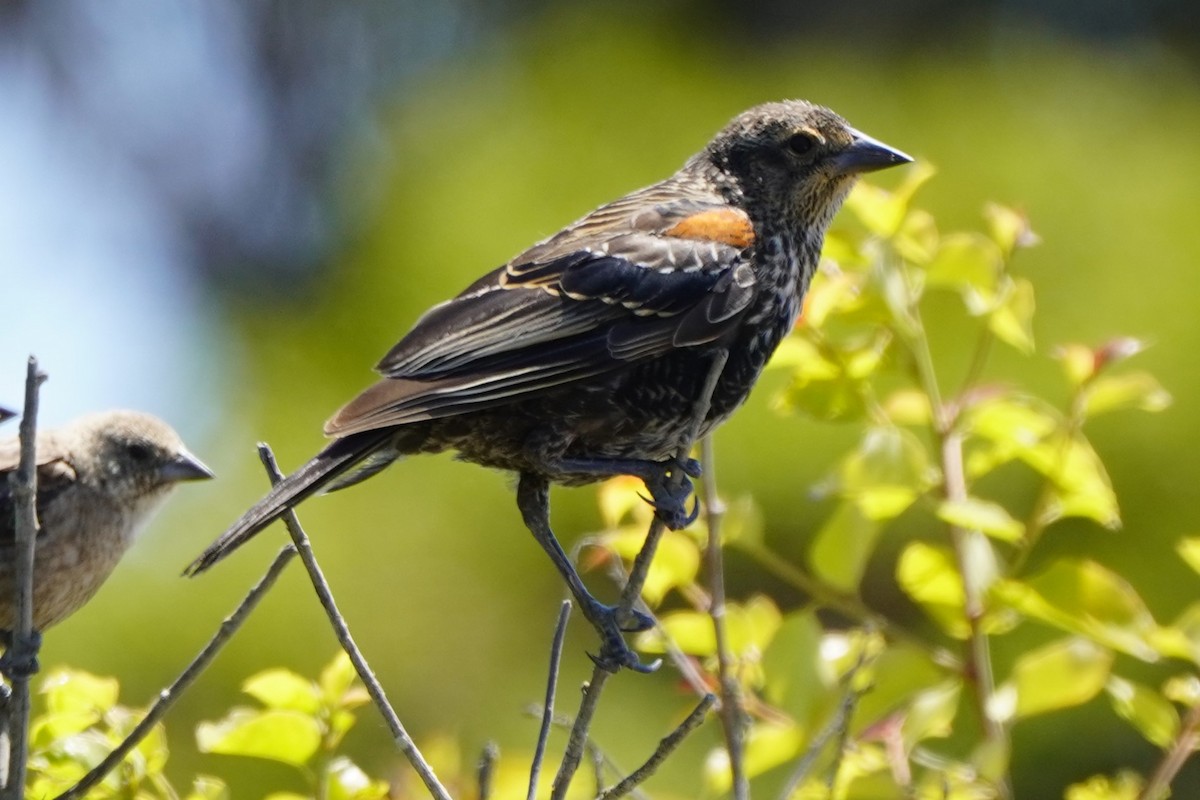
[
  {"x": 80, "y": 725},
  {"x": 930, "y": 712},
  {"x": 300, "y": 723}
]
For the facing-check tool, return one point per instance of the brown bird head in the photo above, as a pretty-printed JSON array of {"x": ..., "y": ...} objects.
[
  {"x": 792, "y": 161},
  {"x": 132, "y": 455}
]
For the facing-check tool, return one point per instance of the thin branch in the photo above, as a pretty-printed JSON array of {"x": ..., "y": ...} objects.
[
  {"x": 403, "y": 741},
  {"x": 732, "y": 712},
  {"x": 167, "y": 697},
  {"x": 633, "y": 589},
  {"x": 556, "y": 648},
  {"x": 487, "y": 769},
  {"x": 665, "y": 747},
  {"x": 838, "y": 726},
  {"x": 20, "y": 659},
  {"x": 601, "y": 760},
  {"x": 1186, "y": 742},
  {"x": 688, "y": 670}
]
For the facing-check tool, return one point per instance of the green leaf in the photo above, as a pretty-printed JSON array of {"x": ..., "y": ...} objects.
[
  {"x": 1059, "y": 675},
  {"x": 1078, "y": 361},
  {"x": 287, "y": 736},
  {"x": 968, "y": 263},
  {"x": 69, "y": 691},
  {"x": 691, "y": 631},
  {"x": 283, "y": 689},
  {"x": 1183, "y": 689},
  {"x": 1188, "y": 549},
  {"x": 843, "y": 545},
  {"x": 888, "y": 470},
  {"x": 981, "y": 515},
  {"x": 1027, "y": 429},
  {"x": 793, "y": 681},
  {"x": 881, "y": 211},
  {"x": 930, "y": 577},
  {"x": 750, "y": 627},
  {"x": 931, "y": 713},
  {"x": 1148, "y": 711},
  {"x": 207, "y": 787},
  {"x": 1126, "y": 390},
  {"x": 1008, "y": 228},
  {"x": 1126, "y": 786},
  {"x": 336, "y": 679},
  {"x": 345, "y": 781},
  {"x": 917, "y": 239},
  {"x": 1012, "y": 318},
  {"x": 1086, "y": 598}
]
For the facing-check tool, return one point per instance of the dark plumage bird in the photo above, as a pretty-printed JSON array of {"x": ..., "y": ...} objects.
[
  {"x": 584, "y": 356},
  {"x": 100, "y": 479}
]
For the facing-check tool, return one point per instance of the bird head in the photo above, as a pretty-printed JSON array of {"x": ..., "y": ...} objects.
[
  {"x": 135, "y": 456},
  {"x": 794, "y": 161}
]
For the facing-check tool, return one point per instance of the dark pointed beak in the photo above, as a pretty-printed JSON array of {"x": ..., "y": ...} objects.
[
  {"x": 185, "y": 467},
  {"x": 867, "y": 155},
  {"x": 5, "y": 414}
]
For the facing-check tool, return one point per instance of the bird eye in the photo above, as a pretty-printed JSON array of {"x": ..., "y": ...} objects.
[
  {"x": 801, "y": 144},
  {"x": 139, "y": 452}
]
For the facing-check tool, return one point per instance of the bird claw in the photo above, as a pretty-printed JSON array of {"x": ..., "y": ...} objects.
[
  {"x": 615, "y": 654},
  {"x": 670, "y": 503}
]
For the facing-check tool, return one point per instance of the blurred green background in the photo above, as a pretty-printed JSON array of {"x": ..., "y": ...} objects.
[{"x": 360, "y": 165}]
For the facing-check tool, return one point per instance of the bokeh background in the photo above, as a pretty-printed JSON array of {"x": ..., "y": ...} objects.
[{"x": 225, "y": 213}]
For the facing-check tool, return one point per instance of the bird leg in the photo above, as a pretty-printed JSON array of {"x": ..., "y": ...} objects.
[
  {"x": 533, "y": 499},
  {"x": 667, "y": 496}
]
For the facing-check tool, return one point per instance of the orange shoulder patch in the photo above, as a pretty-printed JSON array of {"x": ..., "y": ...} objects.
[{"x": 725, "y": 225}]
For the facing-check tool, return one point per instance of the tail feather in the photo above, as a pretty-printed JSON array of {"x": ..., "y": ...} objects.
[{"x": 336, "y": 459}]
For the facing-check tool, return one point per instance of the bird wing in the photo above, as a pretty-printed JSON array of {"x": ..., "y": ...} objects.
[
  {"x": 54, "y": 472},
  {"x": 629, "y": 282}
]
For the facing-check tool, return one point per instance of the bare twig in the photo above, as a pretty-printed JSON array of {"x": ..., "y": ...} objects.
[
  {"x": 732, "y": 714},
  {"x": 838, "y": 726},
  {"x": 487, "y": 768},
  {"x": 688, "y": 670},
  {"x": 1187, "y": 741},
  {"x": 601, "y": 761},
  {"x": 665, "y": 747},
  {"x": 633, "y": 589},
  {"x": 21, "y": 657},
  {"x": 556, "y": 647},
  {"x": 167, "y": 697},
  {"x": 403, "y": 741}
]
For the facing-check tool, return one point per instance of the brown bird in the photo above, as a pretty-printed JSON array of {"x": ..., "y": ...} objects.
[
  {"x": 100, "y": 479},
  {"x": 584, "y": 356}
]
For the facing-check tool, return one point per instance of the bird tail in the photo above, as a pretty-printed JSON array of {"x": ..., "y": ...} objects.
[{"x": 323, "y": 469}]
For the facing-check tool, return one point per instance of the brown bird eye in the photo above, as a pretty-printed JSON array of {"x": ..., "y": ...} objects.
[{"x": 801, "y": 143}]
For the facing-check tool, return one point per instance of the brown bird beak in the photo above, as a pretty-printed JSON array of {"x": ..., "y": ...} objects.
[
  {"x": 867, "y": 155},
  {"x": 185, "y": 467}
]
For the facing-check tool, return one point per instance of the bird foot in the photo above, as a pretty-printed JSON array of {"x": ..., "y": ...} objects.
[
  {"x": 20, "y": 656},
  {"x": 615, "y": 654},
  {"x": 670, "y": 501}
]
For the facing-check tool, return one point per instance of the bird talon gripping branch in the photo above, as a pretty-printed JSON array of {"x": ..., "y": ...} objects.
[{"x": 586, "y": 355}]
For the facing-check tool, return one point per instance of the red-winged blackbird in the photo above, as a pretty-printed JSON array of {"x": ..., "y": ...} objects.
[
  {"x": 584, "y": 356},
  {"x": 100, "y": 479}
]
